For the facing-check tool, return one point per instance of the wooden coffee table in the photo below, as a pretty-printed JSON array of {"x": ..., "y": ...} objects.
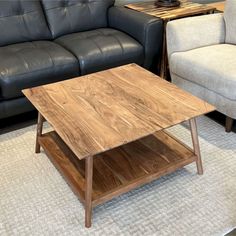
[{"x": 109, "y": 130}]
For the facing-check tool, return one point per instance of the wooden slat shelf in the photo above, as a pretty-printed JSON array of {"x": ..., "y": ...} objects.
[{"x": 121, "y": 169}]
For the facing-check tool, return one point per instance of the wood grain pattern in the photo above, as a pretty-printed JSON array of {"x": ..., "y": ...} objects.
[
  {"x": 219, "y": 6},
  {"x": 101, "y": 111},
  {"x": 64, "y": 160},
  {"x": 121, "y": 169},
  {"x": 186, "y": 8}
]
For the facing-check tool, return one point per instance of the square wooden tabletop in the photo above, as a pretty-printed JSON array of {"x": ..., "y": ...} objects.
[{"x": 101, "y": 111}]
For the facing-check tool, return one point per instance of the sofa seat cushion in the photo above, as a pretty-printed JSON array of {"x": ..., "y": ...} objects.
[
  {"x": 212, "y": 67},
  {"x": 33, "y": 63},
  {"x": 102, "y": 49}
]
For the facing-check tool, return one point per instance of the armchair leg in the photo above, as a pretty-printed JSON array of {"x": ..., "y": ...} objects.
[{"x": 229, "y": 124}]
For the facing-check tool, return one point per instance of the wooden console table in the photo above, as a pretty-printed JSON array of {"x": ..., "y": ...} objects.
[{"x": 185, "y": 9}]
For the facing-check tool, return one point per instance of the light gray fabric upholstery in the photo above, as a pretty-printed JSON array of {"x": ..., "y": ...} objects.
[
  {"x": 222, "y": 104},
  {"x": 230, "y": 21},
  {"x": 201, "y": 53},
  {"x": 212, "y": 67},
  {"x": 194, "y": 32}
]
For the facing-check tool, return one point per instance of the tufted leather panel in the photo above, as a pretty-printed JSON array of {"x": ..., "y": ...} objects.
[
  {"x": 32, "y": 64},
  {"x": 70, "y": 16},
  {"x": 22, "y": 21},
  {"x": 102, "y": 49}
]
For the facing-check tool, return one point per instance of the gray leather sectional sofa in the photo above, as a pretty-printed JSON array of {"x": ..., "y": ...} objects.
[{"x": 44, "y": 41}]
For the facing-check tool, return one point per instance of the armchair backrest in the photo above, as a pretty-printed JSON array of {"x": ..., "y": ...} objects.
[
  {"x": 69, "y": 16},
  {"x": 195, "y": 32},
  {"x": 230, "y": 21},
  {"x": 22, "y": 21}
]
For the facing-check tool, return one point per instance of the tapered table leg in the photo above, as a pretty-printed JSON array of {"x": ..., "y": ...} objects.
[
  {"x": 88, "y": 190},
  {"x": 39, "y": 132},
  {"x": 229, "y": 124},
  {"x": 196, "y": 146}
]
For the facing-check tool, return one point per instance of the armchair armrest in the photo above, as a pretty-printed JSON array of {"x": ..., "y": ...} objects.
[
  {"x": 194, "y": 32},
  {"x": 146, "y": 29}
]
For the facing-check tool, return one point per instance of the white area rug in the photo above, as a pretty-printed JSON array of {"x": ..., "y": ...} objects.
[{"x": 35, "y": 200}]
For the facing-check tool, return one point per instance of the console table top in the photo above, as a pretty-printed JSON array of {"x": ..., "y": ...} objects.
[{"x": 185, "y": 9}]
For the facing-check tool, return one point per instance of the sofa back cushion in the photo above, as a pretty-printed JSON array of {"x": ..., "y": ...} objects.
[
  {"x": 230, "y": 21},
  {"x": 21, "y": 21},
  {"x": 70, "y": 16}
]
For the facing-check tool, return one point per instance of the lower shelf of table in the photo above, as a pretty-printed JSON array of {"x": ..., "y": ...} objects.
[{"x": 121, "y": 169}]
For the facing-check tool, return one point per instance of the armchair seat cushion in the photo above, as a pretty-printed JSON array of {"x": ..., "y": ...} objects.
[
  {"x": 102, "y": 49},
  {"x": 31, "y": 64},
  {"x": 212, "y": 67}
]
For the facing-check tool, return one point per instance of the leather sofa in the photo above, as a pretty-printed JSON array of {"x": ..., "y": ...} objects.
[{"x": 44, "y": 41}]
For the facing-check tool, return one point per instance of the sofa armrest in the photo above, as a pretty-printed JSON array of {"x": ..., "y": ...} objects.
[
  {"x": 146, "y": 29},
  {"x": 194, "y": 32}
]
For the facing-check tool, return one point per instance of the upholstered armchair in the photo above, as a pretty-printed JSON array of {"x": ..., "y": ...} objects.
[{"x": 202, "y": 58}]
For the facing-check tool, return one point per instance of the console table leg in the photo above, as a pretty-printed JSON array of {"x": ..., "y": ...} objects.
[
  {"x": 164, "y": 61},
  {"x": 196, "y": 146},
  {"x": 88, "y": 190},
  {"x": 39, "y": 132}
]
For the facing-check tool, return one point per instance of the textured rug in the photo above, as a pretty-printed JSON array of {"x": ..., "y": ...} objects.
[{"x": 35, "y": 200}]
